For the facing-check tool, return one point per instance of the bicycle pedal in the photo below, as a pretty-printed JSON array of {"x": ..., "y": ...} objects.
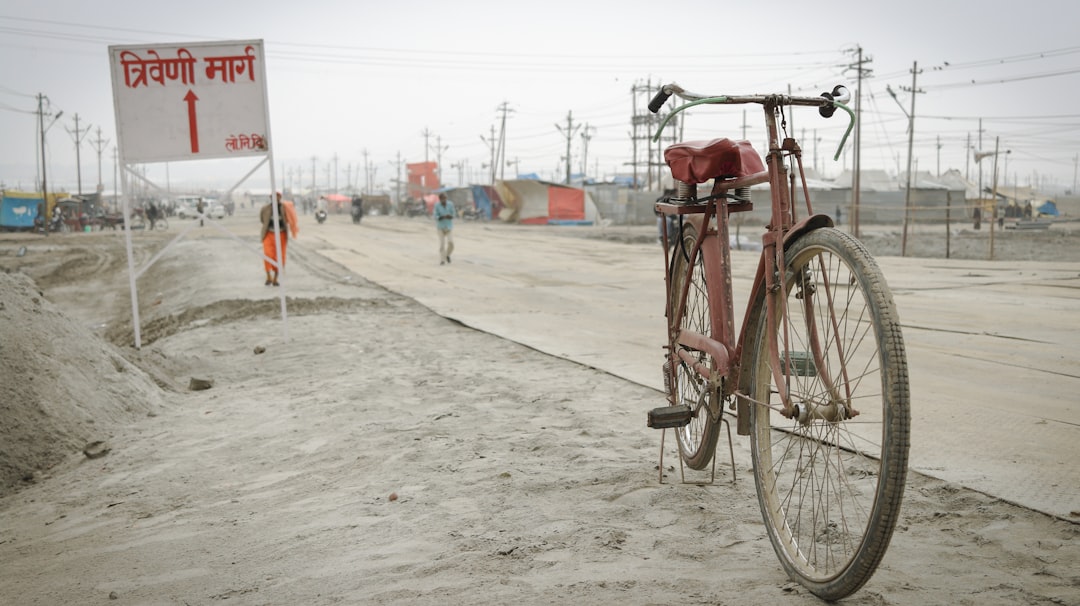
[{"x": 670, "y": 416}]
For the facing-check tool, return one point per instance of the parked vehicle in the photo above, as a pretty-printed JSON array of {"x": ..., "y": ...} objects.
[
  {"x": 471, "y": 213},
  {"x": 186, "y": 209},
  {"x": 415, "y": 208}
]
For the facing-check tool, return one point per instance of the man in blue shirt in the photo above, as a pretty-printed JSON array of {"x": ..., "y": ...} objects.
[{"x": 444, "y": 224}]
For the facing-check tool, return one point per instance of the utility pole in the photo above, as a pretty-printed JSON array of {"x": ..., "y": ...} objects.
[
  {"x": 367, "y": 174},
  {"x": 314, "y": 191},
  {"x": 77, "y": 136},
  {"x": 44, "y": 179},
  {"x": 500, "y": 156},
  {"x": 491, "y": 144},
  {"x": 99, "y": 146},
  {"x": 861, "y": 71},
  {"x": 980, "y": 163},
  {"x": 1076, "y": 160},
  {"x": 116, "y": 174},
  {"x": 460, "y": 166},
  {"x": 967, "y": 159},
  {"x": 585, "y": 137},
  {"x": 439, "y": 149},
  {"x": 993, "y": 197},
  {"x": 427, "y": 135},
  {"x": 569, "y": 134},
  {"x": 910, "y": 149},
  {"x": 939, "y": 146},
  {"x": 397, "y": 178},
  {"x": 820, "y": 173}
]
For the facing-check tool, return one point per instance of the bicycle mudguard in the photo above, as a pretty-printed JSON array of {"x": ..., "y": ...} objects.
[
  {"x": 701, "y": 161},
  {"x": 807, "y": 225}
]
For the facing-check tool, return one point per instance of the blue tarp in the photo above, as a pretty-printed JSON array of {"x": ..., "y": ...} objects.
[
  {"x": 482, "y": 201},
  {"x": 1048, "y": 208}
]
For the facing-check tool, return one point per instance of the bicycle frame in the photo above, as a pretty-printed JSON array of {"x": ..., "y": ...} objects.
[{"x": 712, "y": 243}]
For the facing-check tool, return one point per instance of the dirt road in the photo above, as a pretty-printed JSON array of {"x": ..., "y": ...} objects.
[{"x": 387, "y": 455}]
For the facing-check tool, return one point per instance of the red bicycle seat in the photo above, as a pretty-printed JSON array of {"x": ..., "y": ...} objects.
[{"x": 699, "y": 161}]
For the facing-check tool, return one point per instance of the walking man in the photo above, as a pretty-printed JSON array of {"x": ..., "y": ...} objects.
[{"x": 444, "y": 224}]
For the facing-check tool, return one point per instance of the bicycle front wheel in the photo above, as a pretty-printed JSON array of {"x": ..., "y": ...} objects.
[
  {"x": 831, "y": 479},
  {"x": 686, "y": 386},
  {"x": 161, "y": 224}
]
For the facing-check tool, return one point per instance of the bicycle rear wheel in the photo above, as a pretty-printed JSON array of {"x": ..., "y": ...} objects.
[
  {"x": 830, "y": 483},
  {"x": 697, "y": 440}
]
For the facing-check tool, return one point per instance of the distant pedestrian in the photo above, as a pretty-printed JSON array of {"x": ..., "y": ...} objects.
[
  {"x": 152, "y": 214},
  {"x": 271, "y": 230},
  {"x": 838, "y": 215},
  {"x": 200, "y": 206},
  {"x": 444, "y": 224}
]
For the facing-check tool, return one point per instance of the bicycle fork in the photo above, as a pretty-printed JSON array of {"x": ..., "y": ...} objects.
[{"x": 831, "y": 405}]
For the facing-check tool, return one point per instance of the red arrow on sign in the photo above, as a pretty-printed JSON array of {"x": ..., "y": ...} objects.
[{"x": 193, "y": 123}]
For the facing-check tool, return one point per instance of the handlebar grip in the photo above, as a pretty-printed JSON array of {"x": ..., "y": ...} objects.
[
  {"x": 840, "y": 94},
  {"x": 659, "y": 100}
]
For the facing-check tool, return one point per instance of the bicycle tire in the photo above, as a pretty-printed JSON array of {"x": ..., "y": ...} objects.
[
  {"x": 697, "y": 440},
  {"x": 161, "y": 224},
  {"x": 830, "y": 489}
]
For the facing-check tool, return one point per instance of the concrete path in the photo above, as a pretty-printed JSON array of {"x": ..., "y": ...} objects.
[{"x": 993, "y": 347}]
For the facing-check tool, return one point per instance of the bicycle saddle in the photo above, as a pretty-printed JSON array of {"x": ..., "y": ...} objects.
[{"x": 699, "y": 161}]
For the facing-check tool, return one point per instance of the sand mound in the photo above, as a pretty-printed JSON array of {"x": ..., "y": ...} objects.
[{"x": 61, "y": 386}]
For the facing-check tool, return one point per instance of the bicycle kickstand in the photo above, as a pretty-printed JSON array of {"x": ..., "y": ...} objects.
[{"x": 682, "y": 467}]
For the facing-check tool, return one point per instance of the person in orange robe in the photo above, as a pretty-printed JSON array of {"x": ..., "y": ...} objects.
[{"x": 286, "y": 218}]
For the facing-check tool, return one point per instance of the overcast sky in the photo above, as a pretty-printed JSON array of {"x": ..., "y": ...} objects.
[{"x": 361, "y": 81}]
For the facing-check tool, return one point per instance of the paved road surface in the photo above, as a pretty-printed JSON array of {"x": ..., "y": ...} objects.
[{"x": 994, "y": 347}]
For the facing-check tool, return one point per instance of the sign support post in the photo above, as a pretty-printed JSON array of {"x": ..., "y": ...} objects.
[{"x": 193, "y": 101}]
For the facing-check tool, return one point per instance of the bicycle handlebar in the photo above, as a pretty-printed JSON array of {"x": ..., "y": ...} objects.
[{"x": 826, "y": 104}]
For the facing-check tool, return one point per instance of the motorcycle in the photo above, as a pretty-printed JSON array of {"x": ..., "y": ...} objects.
[
  {"x": 320, "y": 215},
  {"x": 471, "y": 213},
  {"x": 57, "y": 224},
  {"x": 416, "y": 208},
  {"x": 357, "y": 213}
]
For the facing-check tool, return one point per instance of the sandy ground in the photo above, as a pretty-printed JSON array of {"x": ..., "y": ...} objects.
[{"x": 383, "y": 455}]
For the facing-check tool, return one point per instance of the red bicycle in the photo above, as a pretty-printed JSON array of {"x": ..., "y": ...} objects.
[{"x": 817, "y": 374}]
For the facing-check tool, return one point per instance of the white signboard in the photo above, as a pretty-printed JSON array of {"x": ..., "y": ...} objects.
[{"x": 194, "y": 101}]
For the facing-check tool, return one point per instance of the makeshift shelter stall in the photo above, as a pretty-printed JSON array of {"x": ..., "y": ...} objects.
[
  {"x": 18, "y": 209},
  {"x": 541, "y": 203}
]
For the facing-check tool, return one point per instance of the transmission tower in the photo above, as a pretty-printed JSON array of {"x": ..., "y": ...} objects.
[{"x": 648, "y": 154}]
